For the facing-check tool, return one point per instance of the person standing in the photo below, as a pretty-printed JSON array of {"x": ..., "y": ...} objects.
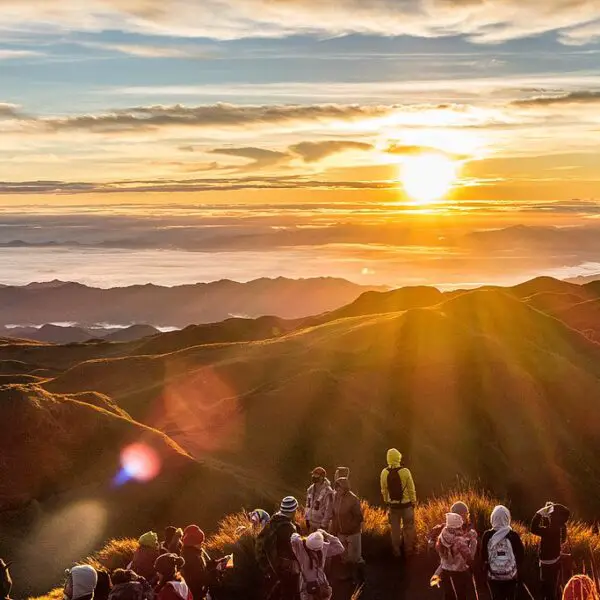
[
  {"x": 311, "y": 554},
  {"x": 502, "y": 556},
  {"x": 319, "y": 501},
  {"x": 346, "y": 524},
  {"x": 171, "y": 585},
  {"x": 196, "y": 561},
  {"x": 274, "y": 553},
  {"x": 456, "y": 558},
  {"x": 550, "y": 525},
  {"x": 145, "y": 557},
  {"x": 399, "y": 495},
  {"x": 5, "y": 580}
]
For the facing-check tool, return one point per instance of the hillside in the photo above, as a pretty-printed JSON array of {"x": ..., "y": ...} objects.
[
  {"x": 472, "y": 387},
  {"x": 61, "y": 334},
  {"x": 177, "y": 306}
]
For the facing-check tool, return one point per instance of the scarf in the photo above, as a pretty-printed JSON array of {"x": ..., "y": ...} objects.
[{"x": 501, "y": 524}]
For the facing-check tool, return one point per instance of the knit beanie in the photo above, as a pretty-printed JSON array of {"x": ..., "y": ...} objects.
[
  {"x": 289, "y": 505},
  {"x": 319, "y": 472},
  {"x": 460, "y": 508},
  {"x": 84, "y": 580},
  {"x": 168, "y": 564},
  {"x": 315, "y": 541},
  {"x": 454, "y": 521},
  {"x": 193, "y": 536},
  {"x": 149, "y": 540}
]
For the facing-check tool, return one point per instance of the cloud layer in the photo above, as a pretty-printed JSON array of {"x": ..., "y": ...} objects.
[{"x": 489, "y": 21}]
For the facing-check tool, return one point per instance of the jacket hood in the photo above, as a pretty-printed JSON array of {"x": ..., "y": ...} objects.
[
  {"x": 449, "y": 536},
  {"x": 181, "y": 588},
  {"x": 344, "y": 484},
  {"x": 149, "y": 540},
  {"x": 394, "y": 458},
  {"x": 84, "y": 580},
  {"x": 560, "y": 514}
]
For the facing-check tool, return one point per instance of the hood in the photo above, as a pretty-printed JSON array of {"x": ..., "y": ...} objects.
[
  {"x": 149, "y": 540},
  {"x": 448, "y": 537},
  {"x": 394, "y": 458},
  {"x": 500, "y": 517},
  {"x": 560, "y": 515},
  {"x": 344, "y": 484},
  {"x": 84, "y": 579},
  {"x": 181, "y": 588}
]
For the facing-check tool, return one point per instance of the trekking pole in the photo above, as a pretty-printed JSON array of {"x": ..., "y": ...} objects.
[
  {"x": 475, "y": 585},
  {"x": 527, "y": 590}
]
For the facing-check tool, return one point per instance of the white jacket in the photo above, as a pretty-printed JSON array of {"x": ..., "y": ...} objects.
[{"x": 319, "y": 504}]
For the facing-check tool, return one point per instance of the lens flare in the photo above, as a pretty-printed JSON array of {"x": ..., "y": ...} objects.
[{"x": 139, "y": 463}]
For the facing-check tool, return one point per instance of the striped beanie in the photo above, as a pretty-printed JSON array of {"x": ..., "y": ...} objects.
[{"x": 289, "y": 505}]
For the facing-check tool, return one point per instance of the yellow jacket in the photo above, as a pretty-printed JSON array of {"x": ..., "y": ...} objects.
[{"x": 394, "y": 459}]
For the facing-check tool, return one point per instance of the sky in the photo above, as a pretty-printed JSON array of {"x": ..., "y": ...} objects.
[{"x": 373, "y": 140}]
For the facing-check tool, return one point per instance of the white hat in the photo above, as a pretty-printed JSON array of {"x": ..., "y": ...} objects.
[
  {"x": 315, "y": 541},
  {"x": 454, "y": 521}
]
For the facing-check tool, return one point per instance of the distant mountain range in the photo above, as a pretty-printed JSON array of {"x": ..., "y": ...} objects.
[
  {"x": 498, "y": 385},
  {"x": 58, "y": 302}
]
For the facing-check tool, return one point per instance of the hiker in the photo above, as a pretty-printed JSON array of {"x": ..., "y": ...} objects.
[
  {"x": 456, "y": 557},
  {"x": 275, "y": 556},
  {"x": 145, "y": 557},
  {"x": 311, "y": 554},
  {"x": 5, "y": 580},
  {"x": 171, "y": 585},
  {"x": 319, "y": 501},
  {"x": 346, "y": 524},
  {"x": 243, "y": 580},
  {"x": 458, "y": 508},
  {"x": 104, "y": 585},
  {"x": 550, "y": 525},
  {"x": 197, "y": 561},
  {"x": 80, "y": 583},
  {"x": 172, "y": 543},
  {"x": 580, "y": 587},
  {"x": 399, "y": 495},
  {"x": 127, "y": 585},
  {"x": 502, "y": 556}
]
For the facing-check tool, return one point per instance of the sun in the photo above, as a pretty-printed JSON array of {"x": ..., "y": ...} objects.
[{"x": 428, "y": 177}]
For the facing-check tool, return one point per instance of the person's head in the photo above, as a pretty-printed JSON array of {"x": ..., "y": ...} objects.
[
  {"x": 315, "y": 542},
  {"x": 342, "y": 485},
  {"x": 103, "y": 586},
  {"x": 193, "y": 536},
  {"x": 149, "y": 540},
  {"x": 580, "y": 587},
  {"x": 460, "y": 508},
  {"x": 169, "y": 534},
  {"x": 259, "y": 518},
  {"x": 80, "y": 582},
  {"x": 394, "y": 458},
  {"x": 500, "y": 517},
  {"x": 120, "y": 576},
  {"x": 288, "y": 507},
  {"x": 5, "y": 579},
  {"x": 454, "y": 521},
  {"x": 318, "y": 475},
  {"x": 167, "y": 566}
]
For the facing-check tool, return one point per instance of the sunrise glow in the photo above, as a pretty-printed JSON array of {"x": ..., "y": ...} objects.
[{"x": 428, "y": 177}]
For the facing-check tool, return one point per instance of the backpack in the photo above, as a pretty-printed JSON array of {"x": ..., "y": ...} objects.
[
  {"x": 395, "y": 488},
  {"x": 266, "y": 546},
  {"x": 502, "y": 564}
]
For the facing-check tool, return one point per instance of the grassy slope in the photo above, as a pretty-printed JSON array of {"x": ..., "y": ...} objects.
[{"x": 475, "y": 387}]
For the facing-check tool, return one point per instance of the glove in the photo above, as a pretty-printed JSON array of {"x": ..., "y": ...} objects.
[{"x": 546, "y": 511}]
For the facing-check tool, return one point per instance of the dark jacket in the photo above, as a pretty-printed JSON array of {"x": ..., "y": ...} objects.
[
  {"x": 143, "y": 563},
  {"x": 515, "y": 541},
  {"x": 274, "y": 545},
  {"x": 174, "y": 547},
  {"x": 195, "y": 570},
  {"x": 347, "y": 514},
  {"x": 552, "y": 531}
]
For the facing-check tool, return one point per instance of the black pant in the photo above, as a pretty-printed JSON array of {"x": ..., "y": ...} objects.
[
  {"x": 550, "y": 579},
  {"x": 457, "y": 585},
  {"x": 503, "y": 590}
]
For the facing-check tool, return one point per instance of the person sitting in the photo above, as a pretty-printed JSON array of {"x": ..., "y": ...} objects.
[
  {"x": 580, "y": 587},
  {"x": 172, "y": 543},
  {"x": 550, "y": 525},
  {"x": 502, "y": 556},
  {"x": 311, "y": 554},
  {"x": 456, "y": 557},
  {"x": 5, "y": 580},
  {"x": 80, "y": 583},
  {"x": 145, "y": 557},
  {"x": 197, "y": 561},
  {"x": 127, "y": 585},
  {"x": 171, "y": 585}
]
